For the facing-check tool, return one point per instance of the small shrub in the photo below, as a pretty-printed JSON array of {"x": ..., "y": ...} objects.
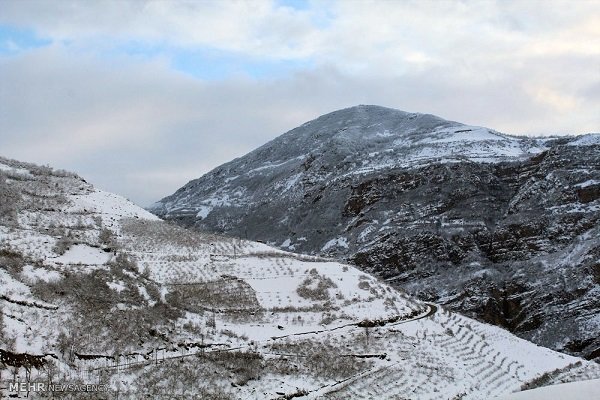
[
  {"x": 328, "y": 318},
  {"x": 122, "y": 262},
  {"x": 232, "y": 334},
  {"x": 364, "y": 285},
  {"x": 11, "y": 260},
  {"x": 153, "y": 291},
  {"x": 315, "y": 287},
  {"x": 63, "y": 244},
  {"x": 9, "y": 199},
  {"x": 107, "y": 238},
  {"x": 193, "y": 328}
]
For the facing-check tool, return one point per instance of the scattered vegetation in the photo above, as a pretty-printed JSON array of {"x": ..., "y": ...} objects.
[
  {"x": 122, "y": 264},
  {"x": 315, "y": 287},
  {"x": 546, "y": 378},
  {"x": 11, "y": 260},
  {"x": 107, "y": 239},
  {"x": 63, "y": 244},
  {"x": 104, "y": 319},
  {"x": 364, "y": 285},
  {"x": 223, "y": 294},
  {"x": 201, "y": 377},
  {"x": 316, "y": 359}
]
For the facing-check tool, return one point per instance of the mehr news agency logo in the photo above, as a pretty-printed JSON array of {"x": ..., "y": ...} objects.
[{"x": 32, "y": 387}]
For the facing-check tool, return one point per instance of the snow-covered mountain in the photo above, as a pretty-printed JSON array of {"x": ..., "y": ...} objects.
[
  {"x": 95, "y": 290},
  {"x": 502, "y": 228},
  {"x": 356, "y": 141}
]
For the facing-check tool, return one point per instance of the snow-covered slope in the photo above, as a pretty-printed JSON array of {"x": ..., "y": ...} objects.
[
  {"x": 96, "y": 290},
  {"x": 501, "y": 228},
  {"x": 567, "y": 391}
]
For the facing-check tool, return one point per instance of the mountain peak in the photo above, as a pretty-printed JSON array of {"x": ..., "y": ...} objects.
[
  {"x": 375, "y": 136},
  {"x": 372, "y": 108},
  {"x": 354, "y": 141},
  {"x": 367, "y": 116}
]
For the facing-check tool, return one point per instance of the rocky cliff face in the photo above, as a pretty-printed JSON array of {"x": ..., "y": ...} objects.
[{"x": 502, "y": 228}]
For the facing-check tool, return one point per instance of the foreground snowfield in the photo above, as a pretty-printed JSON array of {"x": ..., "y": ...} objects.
[
  {"x": 97, "y": 290},
  {"x": 567, "y": 391}
]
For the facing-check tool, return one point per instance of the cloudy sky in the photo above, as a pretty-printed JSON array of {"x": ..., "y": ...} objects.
[{"x": 141, "y": 96}]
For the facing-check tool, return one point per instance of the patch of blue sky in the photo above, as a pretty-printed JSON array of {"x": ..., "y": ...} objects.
[
  {"x": 213, "y": 64},
  {"x": 14, "y": 40},
  {"x": 295, "y": 4},
  {"x": 321, "y": 14},
  {"x": 216, "y": 64}
]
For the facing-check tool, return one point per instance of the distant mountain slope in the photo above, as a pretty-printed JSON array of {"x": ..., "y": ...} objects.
[
  {"x": 502, "y": 228},
  {"x": 96, "y": 290},
  {"x": 335, "y": 147}
]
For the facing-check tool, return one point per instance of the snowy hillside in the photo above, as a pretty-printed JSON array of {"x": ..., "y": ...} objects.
[
  {"x": 357, "y": 140},
  {"x": 500, "y": 228},
  {"x": 96, "y": 290},
  {"x": 567, "y": 391}
]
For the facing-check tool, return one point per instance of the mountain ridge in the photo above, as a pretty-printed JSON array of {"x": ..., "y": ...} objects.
[{"x": 420, "y": 203}]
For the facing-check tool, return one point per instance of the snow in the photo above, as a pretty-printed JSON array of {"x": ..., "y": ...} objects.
[
  {"x": 110, "y": 207},
  {"x": 218, "y": 201},
  {"x": 291, "y": 182},
  {"x": 587, "y": 183},
  {"x": 268, "y": 165},
  {"x": 12, "y": 287},
  {"x": 365, "y": 232},
  {"x": 39, "y": 274},
  {"x": 591, "y": 139},
  {"x": 142, "y": 290},
  {"x": 203, "y": 211},
  {"x": 231, "y": 178},
  {"x": 17, "y": 171},
  {"x": 116, "y": 286},
  {"x": 473, "y": 142},
  {"x": 16, "y": 291},
  {"x": 84, "y": 254},
  {"x": 447, "y": 145},
  {"x": 584, "y": 390},
  {"x": 384, "y": 134},
  {"x": 464, "y": 134},
  {"x": 338, "y": 242}
]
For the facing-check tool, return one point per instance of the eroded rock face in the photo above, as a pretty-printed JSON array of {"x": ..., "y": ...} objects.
[
  {"x": 501, "y": 228},
  {"x": 522, "y": 252}
]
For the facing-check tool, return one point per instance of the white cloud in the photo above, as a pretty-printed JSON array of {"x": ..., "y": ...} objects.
[{"x": 255, "y": 27}]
